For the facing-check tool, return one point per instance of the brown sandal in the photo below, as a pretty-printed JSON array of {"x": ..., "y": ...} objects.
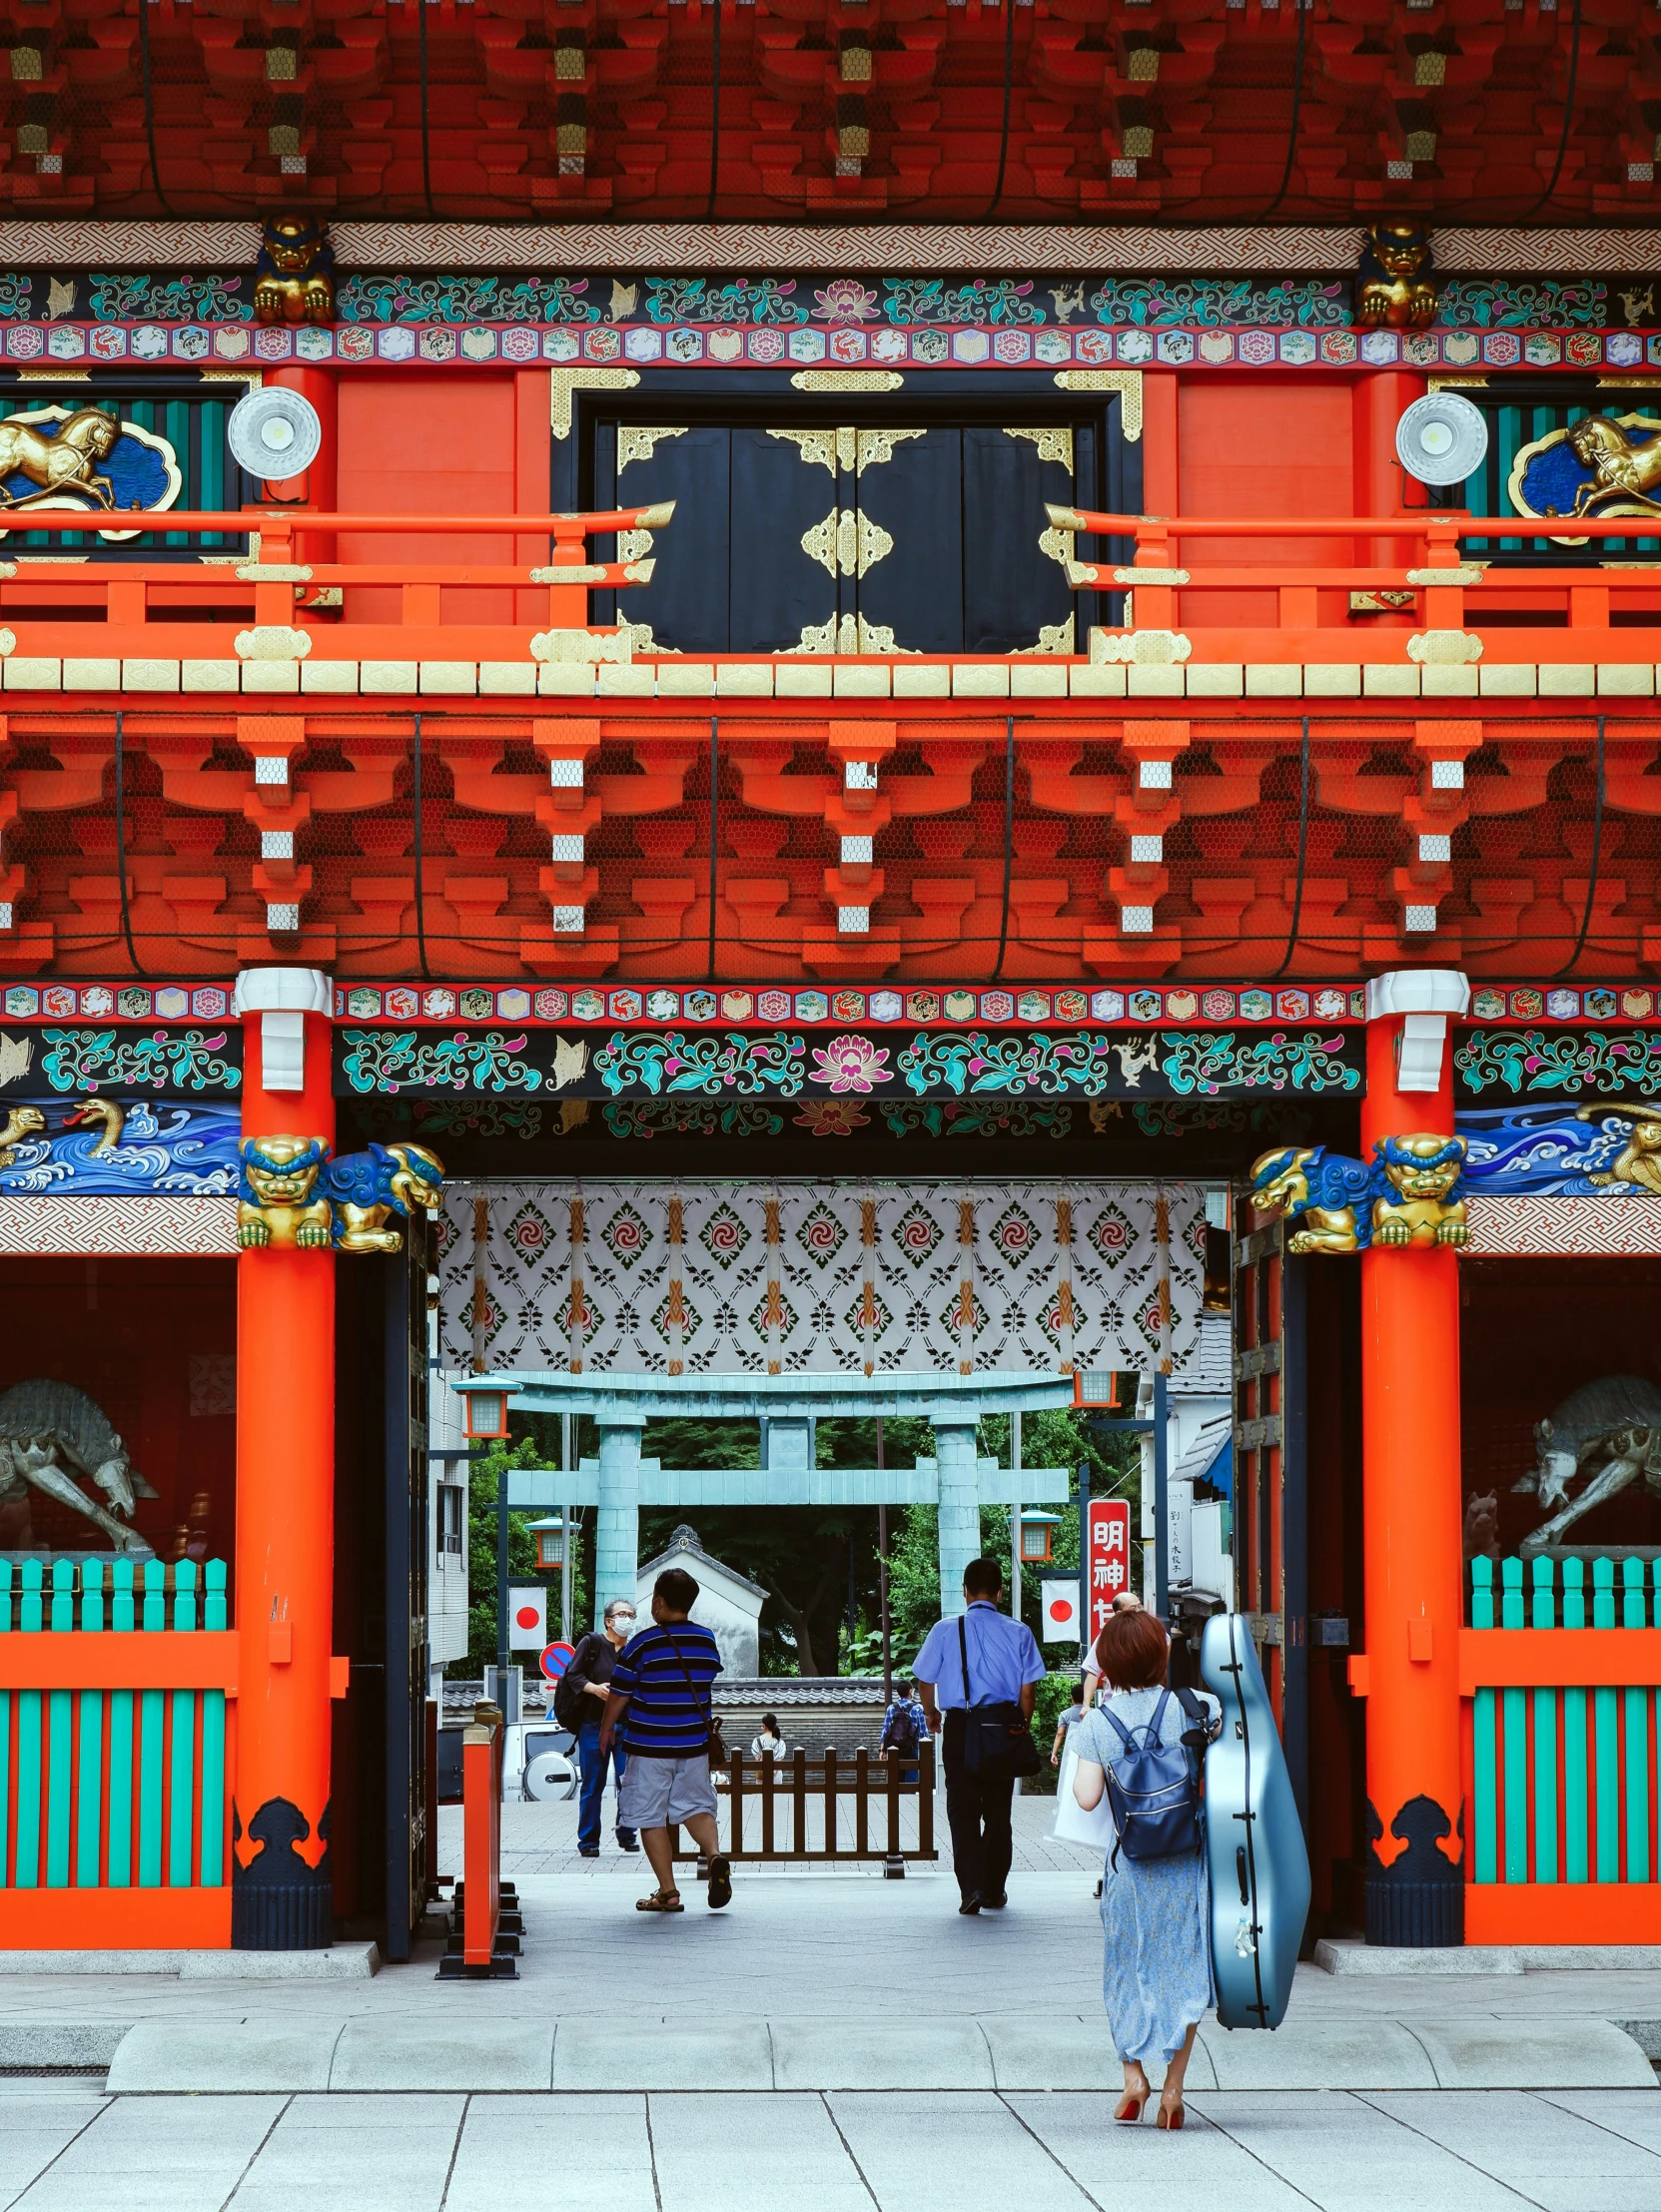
[{"x": 660, "y": 1900}]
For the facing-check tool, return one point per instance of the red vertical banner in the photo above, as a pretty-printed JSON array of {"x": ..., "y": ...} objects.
[{"x": 1107, "y": 1558}]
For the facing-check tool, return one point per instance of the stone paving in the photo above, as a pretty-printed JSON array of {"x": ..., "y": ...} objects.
[{"x": 63, "y": 2148}]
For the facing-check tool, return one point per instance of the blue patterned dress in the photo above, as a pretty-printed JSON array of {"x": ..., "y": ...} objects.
[{"x": 1156, "y": 1914}]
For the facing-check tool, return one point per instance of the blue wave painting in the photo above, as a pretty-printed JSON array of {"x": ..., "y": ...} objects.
[
  {"x": 191, "y": 1150},
  {"x": 1540, "y": 1150}
]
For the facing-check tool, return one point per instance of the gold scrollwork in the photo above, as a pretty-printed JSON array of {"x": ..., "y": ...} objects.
[
  {"x": 634, "y": 443},
  {"x": 1054, "y": 445},
  {"x": 817, "y": 448},
  {"x": 847, "y": 379},
  {"x": 1053, "y": 637},
  {"x": 563, "y": 382},
  {"x": 847, "y": 542},
  {"x": 1126, "y": 382}
]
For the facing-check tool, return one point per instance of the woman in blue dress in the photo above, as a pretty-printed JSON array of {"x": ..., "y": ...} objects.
[{"x": 1156, "y": 1965}]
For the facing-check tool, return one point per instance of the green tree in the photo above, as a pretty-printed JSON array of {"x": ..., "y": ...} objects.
[{"x": 484, "y": 1488}]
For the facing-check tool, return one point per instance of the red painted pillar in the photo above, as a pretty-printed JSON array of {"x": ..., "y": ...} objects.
[
  {"x": 280, "y": 1890},
  {"x": 1382, "y": 397},
  {"x": 317, "y": 487},
  {"x": 1410, "y": 1496}
]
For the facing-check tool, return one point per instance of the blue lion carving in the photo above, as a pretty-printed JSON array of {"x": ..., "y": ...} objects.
[
  {"x": 1328, "y": 1196},
  {"x": 367, "y": 1190},
  {"x": 1410, "y": 1192}
]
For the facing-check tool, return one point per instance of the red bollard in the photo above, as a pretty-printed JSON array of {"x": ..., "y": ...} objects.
[{"x": 485, "y": 1926}]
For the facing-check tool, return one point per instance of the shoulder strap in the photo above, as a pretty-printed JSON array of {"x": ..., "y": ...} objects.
[
  {"x": 962, "y": 1647},
  {"x": 1125, "y": 1734},
  {"x": 1155, "y": 1728},
  {"x": 687, "y": 1671}
]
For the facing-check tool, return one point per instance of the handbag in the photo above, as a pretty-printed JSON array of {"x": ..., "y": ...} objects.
[
  {"x": 713, "y": 1742},
  {"x": 1072, "y": 1824},
  {"x": 997, "y": 1743}
]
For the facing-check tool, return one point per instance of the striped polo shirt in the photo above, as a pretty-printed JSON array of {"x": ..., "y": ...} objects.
[{"x": 667, "y": 1717}]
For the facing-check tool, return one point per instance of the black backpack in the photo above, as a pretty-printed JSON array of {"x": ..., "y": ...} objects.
[
  {"x": 900, "y": 1731},
  {"x": 571, "y": 1704}
]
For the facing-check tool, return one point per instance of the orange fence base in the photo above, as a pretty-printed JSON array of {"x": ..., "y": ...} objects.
[
  {"x": 115, "y": 1920},
  {"x": 1563, "y": 1912}
]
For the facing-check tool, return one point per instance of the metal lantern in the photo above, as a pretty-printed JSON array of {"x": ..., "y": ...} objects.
[
  {"x": 486, "y": 1413},
  {"x": 551, "y": 1541},
  {"x": 1037, "y": 1531}
]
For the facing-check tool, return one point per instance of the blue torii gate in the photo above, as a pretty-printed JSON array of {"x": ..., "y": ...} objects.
[{"x": 621, "y": 1481}]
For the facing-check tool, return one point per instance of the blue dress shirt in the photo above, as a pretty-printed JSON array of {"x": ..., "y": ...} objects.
[{"x": 1003, "y": 1658}]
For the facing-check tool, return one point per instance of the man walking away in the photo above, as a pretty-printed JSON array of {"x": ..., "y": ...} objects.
[
  {"x": 904, "y": 1728},
  {"x": 579, "y": 1704},
  {"x": 661, "y": 1698},
  {"x": 1004, "y": 1669}
]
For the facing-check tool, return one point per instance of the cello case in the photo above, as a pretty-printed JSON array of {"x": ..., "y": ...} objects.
[{"x": 1260, "y": 1865}]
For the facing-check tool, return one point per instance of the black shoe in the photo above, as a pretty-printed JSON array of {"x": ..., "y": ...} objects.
[
  {"x": 996, "y": 1903},
  {"x": 720, "y": 1883},
  {"x": 971, "y": 1903},
  {"x": 627, "y": 1841},
  {"x": 588, "y": 1850}
]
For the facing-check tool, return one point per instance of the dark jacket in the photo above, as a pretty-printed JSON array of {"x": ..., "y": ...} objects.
[{"x": 592, "y": 1661}]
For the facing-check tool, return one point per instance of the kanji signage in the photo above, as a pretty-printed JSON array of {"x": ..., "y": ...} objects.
[{"x": 1107, "y": 1557}]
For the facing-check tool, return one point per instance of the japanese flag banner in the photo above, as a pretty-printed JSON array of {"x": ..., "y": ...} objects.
[
  {"x": 528, "y": 1618},
  {"x": 1058, "y": 1604},
  {"x": 1107, "y": 1557}
]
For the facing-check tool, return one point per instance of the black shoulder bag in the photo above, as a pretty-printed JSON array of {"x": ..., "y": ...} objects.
[
  {"x": 997, "y": 1743},
  {"x": 714, "y": 1744}
]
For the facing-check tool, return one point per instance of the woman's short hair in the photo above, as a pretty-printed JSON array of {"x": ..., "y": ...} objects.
[{"x": 1133, "y": 1651}]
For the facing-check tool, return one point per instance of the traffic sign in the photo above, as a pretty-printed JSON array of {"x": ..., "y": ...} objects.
[{"x": 556, "y": 1658}]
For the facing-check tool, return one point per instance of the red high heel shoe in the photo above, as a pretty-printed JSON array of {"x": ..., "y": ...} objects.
[
  {"x": 1129, "y": 2111},
  {"x": 1170, "y": 2116}
]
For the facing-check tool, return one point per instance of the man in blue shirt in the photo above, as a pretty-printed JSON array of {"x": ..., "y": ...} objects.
[
  {"x": 661, "y": 1695},
  {"x": 1004, "y": 1669}
]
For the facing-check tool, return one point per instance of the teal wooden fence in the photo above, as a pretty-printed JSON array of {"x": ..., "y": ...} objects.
[
  {"x": 1563, "y": 1768},
  {"x": 117, "y": 1782}
]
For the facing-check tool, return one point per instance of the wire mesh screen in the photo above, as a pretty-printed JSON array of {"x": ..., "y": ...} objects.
[{"x": 998, "y": 848}]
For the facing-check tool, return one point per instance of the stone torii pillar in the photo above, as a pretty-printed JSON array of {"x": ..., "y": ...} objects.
[
  {"x": 1411, "y": 1506},
  {"x": 957, "y": 1464}
]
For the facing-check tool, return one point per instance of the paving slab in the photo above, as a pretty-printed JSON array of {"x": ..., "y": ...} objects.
[
  {"x": 1318, "y": 2054},
  {"x": 340, "y": 1962},
  {"x": 639, "y": 2055},
  {"x": 1066, "y": 2055},
  {"x": 1561, "y": 2052},
  {"x": 1521, "y": 2139},
  {"x": 60, "y": 2042},
  {"x": 479, "y": 2054},
  {"x": 1343, "y": 2155},
  {"x": 1349, "y": 1956},
  {"x": 880, "y": 2055},
  {"x": 220, "y": 2056},
  {"x": 574, "y": 2153},
  {"x": 740, "y": 2165},
  {"x": 938, "y": 2155},
  {"x": 1137, "y": 2164}
]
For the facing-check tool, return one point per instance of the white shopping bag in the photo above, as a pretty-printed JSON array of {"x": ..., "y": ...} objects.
[{"x": 1073, "y": 1824}]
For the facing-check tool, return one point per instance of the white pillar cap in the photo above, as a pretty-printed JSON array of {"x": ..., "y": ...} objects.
[
  {"x": 283, "y": 991},
  {"x": 1418, "y": 991}
]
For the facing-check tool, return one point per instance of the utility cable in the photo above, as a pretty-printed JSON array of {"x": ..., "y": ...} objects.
[
  {"x": 1303, "y": 8},
  {"x": 121, "y": 842},
  {"x": 1004, "y": 131},
  {"x": 714, "y": 825},
  {"x": 1568, "y": 117},
  {"x": 1597, "y": 848},
  {"x": 421, "y": 879},
  {"x": 150, "y": 107},
  {"x": 715, "y": 110},
  {"x": 422, "y": 7},
  {"x": 1303, "y": 847},
  {"x": 1008, "y": 816}
]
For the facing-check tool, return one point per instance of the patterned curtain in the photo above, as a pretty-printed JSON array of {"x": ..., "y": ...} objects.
[{"x": 943, "y": 1278}]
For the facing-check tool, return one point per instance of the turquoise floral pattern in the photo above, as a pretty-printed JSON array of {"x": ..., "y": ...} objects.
[
  {"x": 391, "y": 1061},
  {"x": 165, "y": 1061},
  {"x": 1571, "y": 1063},
  {"x": 673, "y": 1060}
]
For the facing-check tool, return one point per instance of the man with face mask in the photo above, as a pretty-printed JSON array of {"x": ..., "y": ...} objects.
[{"x": 581, "y": 1707}]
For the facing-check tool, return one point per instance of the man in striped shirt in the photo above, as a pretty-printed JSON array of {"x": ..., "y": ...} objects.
[{"x": 661, "y": 1698}]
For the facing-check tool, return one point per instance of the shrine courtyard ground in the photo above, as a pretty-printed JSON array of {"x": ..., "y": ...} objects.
[{"x": 833, "y": 2043}]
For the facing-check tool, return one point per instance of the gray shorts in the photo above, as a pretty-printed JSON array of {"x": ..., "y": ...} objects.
[{"x": 654, "y": 1792}]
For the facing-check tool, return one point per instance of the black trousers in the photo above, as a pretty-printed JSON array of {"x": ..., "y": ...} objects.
[{"x": 977, "y": 1813}]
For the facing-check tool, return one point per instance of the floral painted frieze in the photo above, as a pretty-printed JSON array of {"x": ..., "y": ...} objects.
[
  {"x": 1490, "y": 1065},
  {"x": 788, "y": 1064},
  {"x": 167, "y": 1063}
]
